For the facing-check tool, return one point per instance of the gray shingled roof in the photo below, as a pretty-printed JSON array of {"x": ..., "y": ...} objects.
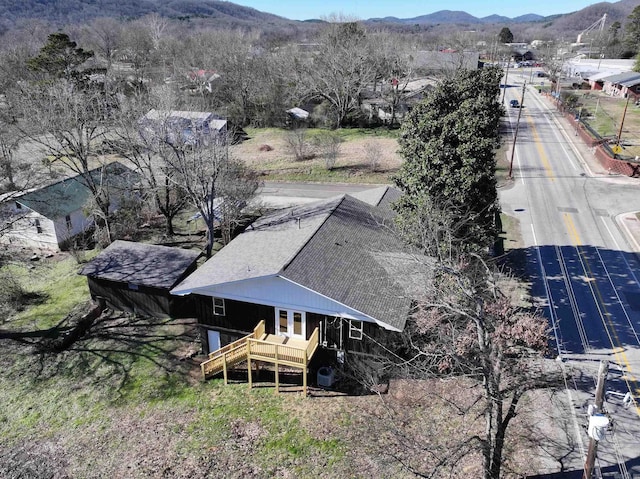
[
  {"x": 264, "y": 249},
  {"x": 141, "y": 264},
  {"x": 341, "y": 248},
  {"x": 347, "y": 261},
  {"x": 72, "y": 194}
]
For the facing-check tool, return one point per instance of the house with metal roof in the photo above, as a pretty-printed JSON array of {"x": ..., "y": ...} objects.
[
  {"x": 137, "y": 278},
  {"x": 48, "y": 217},
  {"x": 622, "y": 84},
  {"x": 187, "y": 127},
  {"x": 331, "y": 274}
]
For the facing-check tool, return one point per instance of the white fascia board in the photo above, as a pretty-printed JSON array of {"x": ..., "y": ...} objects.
[{"x": 206, "y": 290}]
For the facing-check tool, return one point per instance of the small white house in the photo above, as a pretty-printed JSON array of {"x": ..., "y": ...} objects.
[{"x": 46, "y": 218}]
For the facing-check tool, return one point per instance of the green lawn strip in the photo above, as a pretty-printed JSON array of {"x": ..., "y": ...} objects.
[
  {"x": 233, "y": 416},
  {"x": 39, "y": 408},
  {"x": 604, "y": 114},
  {"x": 346, "y": 134},
  {"x": 60, "y": 287},
  {"x": 317, "y": 172}
]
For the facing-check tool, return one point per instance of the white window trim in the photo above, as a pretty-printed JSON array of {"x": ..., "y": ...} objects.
[
  {"x": 356, "y": 328},
  {"x": 216, "y": 307}
]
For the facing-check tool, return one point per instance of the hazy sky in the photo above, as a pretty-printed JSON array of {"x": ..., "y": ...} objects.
[{"x": 363, "y": 9}]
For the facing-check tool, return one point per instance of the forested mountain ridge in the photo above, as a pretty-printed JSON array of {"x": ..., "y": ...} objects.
[
  {"x": 60, "y": 14},
  {"x": 75, "y": 11}
]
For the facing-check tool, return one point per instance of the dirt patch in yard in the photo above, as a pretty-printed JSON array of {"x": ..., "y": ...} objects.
[{"x": 362, "y": 158}]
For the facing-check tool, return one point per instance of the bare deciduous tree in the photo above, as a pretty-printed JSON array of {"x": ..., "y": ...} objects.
[
  {"x": 339, "y": 71},
  {"x": 298, "y": 145},
  {"x": 150, "y": 155},
  {"x": 373, "y": 154},
  {"x": 214, "y": 182},
  {"x": 469, "y": 323},
  {"x": 103, "y": 35},
  {"x": 67, "y": 124},
  {"x": 327, "y": 145}
]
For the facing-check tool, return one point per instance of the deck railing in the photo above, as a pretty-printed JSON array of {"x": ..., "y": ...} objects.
[
  {"x": 257, "y": 347},
  {"x": 313, "y": 343},
  {"x": 229, "y": 355},
  {"x": 281, "y": 353}
]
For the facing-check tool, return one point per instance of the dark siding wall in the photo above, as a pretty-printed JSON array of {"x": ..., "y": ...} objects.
[
  {"x": 239, "y": 316},
  {"x": 144, "y": 301},
  {"x": 313, "y": 322},
  {"x": 335, "y": 331}
]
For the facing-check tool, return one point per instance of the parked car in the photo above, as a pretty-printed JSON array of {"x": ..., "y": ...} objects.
[{"x": 514, "y": 104}]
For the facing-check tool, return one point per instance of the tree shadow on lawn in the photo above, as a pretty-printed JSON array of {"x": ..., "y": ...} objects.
[{"x": 105, "y": 348}]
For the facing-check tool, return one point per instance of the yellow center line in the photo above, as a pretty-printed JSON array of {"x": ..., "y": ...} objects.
[
  {"x": 543, "y": 156},
  {"x": 617, "y": 349}
]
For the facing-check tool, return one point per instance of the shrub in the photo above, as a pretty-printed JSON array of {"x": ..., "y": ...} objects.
[
  {"x": 373, "y": 155},
  {"x": 297, "y": 144},
  {"x": 327, "y": 143}
]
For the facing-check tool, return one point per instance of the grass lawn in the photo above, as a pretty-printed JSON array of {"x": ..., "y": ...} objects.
[
  {"x": 353, "y": 164},
  {"x": 126, "y": 400},
  {"x": 604, "y": 114}
]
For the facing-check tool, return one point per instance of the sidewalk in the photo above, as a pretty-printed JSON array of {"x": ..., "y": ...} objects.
[{"x": 628, "y": 222}]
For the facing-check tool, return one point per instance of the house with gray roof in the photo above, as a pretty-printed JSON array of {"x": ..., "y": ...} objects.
[
  {"x": 137, "y": 278},
  {"x": 334, "y": 266},
  {"x": 48, "y": 217},
  {"x": 187, "y": 127}
]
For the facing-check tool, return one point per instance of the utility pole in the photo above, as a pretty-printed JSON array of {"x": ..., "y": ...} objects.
[
  {"x": 578, "y": 120},
  {"x": 506, "y": 76},
  {"x": 515, "y": 136},
  {"x": 624, "y": 113},
  {"x": 593, "y": 443}
]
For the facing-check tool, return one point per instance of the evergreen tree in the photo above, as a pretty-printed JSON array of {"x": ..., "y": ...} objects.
[
  {"x": 448, "y": 143},
  {"x": 632, "y": 31},
  {"x": 505, "y": 35},
  {"x": 59, "y": 58}
]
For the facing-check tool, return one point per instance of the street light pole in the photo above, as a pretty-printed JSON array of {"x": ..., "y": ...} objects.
[{"x": 515, "y": 135}]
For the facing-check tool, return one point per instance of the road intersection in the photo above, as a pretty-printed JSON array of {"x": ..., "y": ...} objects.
[{"x": 581, "y": 240}]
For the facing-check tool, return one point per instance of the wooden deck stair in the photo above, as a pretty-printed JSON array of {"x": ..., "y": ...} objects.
[{"x": 259, "y": 346}]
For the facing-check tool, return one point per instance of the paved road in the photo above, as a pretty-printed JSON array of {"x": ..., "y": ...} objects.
[
  {"x": 585, "y": 274},
  {"x": 283, "y": 194}
]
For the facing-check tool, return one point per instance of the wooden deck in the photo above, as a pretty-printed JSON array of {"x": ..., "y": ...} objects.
[{"x": 259, "y": 346}]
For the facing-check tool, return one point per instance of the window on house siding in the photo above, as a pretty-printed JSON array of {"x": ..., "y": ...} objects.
[
  {"x": 38, "y": 226},
  {"x": 68, "y": 220},
  {"x": 355, "y": 329},
  {"x": 218, "y": 306}
]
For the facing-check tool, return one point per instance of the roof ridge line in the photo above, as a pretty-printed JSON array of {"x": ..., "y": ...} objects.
[
  {"x": 74, "y": 177},
  {"x": 287, "y": 263}
]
